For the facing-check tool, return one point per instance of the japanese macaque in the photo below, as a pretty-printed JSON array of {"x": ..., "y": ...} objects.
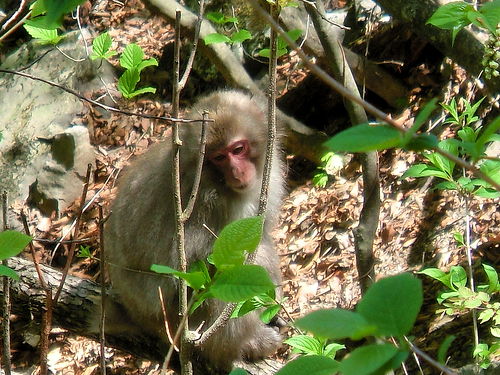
[{"x": 140, "y": 231}]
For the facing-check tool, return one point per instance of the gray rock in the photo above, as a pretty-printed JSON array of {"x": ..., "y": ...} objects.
[{"x": 43, "y": 153}]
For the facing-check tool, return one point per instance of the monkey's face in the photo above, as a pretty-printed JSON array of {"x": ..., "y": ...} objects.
[{"x": 234, "y": 162}]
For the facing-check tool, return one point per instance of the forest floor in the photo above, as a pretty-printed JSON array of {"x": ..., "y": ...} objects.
[{"x": 314, "y": 237}]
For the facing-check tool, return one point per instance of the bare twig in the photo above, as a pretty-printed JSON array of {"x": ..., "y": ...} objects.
[
  {"x": 6, "y": 300},
  {"x": 46, "y": 322},
  {"x": 102, "y": 336},
  {"x": 430, "y": 360},
  {"x": 97, "y": 104},
  {"x": 199, "y": 168},
  {"x": 75, "y": 235},
  {"x": 185, "y": 352},
  {"x": 321, "y": 74},
  {"x": 15, "y": 15},
  {"x": 196, "y": 38}
]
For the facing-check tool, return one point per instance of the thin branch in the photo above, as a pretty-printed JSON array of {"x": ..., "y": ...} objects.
[
  {"x": 6, "y": 300},
  {"x": 97, "y": 104},
  {"x": 196, "y": 38},
  {"x": 75, "y": 235},
  {"x": 338, "y": 87},
  {"x": 46, "y": 320},
  {"x": 199, "y": 168},
  {"x": 15, "y": 15},
  {"x": 430, "y": 360},
  {"x": 185, "y": 352},
  {"x": 102, "y": 336}
]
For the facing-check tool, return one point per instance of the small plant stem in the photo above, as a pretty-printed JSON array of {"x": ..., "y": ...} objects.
[
  {"x": 102, "y": 336},
  {"x": 185, "y": 345},
  {"x": 6, "y": 300}
]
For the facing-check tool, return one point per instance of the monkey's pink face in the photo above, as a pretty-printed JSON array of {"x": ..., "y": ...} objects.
[{"x": 235, "y": 164}]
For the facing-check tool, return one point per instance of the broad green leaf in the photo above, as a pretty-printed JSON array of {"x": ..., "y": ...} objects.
[
  {"x": 450, "y": 15},
  {"x": 332, "y": 349},
  {"x": 336, "y": 324},
  {"x": 392, "y": 304},
  {"x": 367, "y": 359},
  {"x": 458, "y": 277},
  {"x": 43, "y": 36},
  {"x": 492, "y": 169},
  {"x": 128, "y": 81},
  {"x": 487, "y": 193},
  {"x": 467, "y": 134},
  {"x": 310, "y": 365},
  {"x": 364, "y": 138},
  {"x": 240, "y": 283},
  {"x": 437, "y": 274},
  {"x": 422, "y": 142},
  {"x": 493, "y": 283},
  {"x": 101, "y": 46},
  {"x": 489, "y": 130},
  {"x": 268, "y": 314},
  {"x": 240, "y": 36},
  {"x": 143, "y": 90},
  {"x": 216, "y": 38},
  {"x": 219, "y": 18},
  {"x": 145, "y": 63},
  {"x": 195, "y": 280},
  {"x": 9, "y": 272},
  {"x": 423, "y": 170},
  {"x": 12, "y": 243},
  {"x": 131, "y": 57},
  {"x": 446, "y": 185},
  {"x": 235, "y": 239},
  {"x": 491, "y": 13},
  {"x": 266, "y": 52},
  {"x": 304, "y": 344}
]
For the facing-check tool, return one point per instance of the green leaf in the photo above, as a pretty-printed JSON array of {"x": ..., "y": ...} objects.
[
  {"x": 396, "y": 318},
  {"x": 195, "y": 280},
  {"x": 336, "y": 324},
  {"x": 145, "y": 63},
  {"x": 43, "y": 36},
  {"x": 489, "y": 130},
  {"x": 240, "y": 36},
  {"x": 493, "y": 283},
  {"x": 304, "y": 344},
  {"x": 101, "y": 46},
  {"x": 367, "y": 359},
  {"x": 12, "y": 243},
  {"x": 320, "y": 179},
  {"x": 491, "y": 13},
  {"x": 221, "y": 19},
  {"x": 310, "y": 365},
  {"x": 492, "y": 169},
  {"x": 332, "y": 349},
  {"x": 422, "y": 142},
  {"x": 364, "y": 138},
  {"x": 235, "y": 239},
  {"x": 443, "y": 348},
  {"x": 268, "y": 314},
  {"x": 128, "y": 81},
  {"x": 238, "y": 371},
  {"x": 421, "y": 118},
  {"x": 451, "y": 16},
  {"x": 439, "y": 275},
  {"x": 9, "y": 272},
  {"x": 423, "y": 170},
  {"x": 131, "y": 57},
  {"x": 458, "y": 277},
  {"x": 143, "y": 90},
  {"x": 240, "y": 283},
  {"x": 216, "y": 38}
]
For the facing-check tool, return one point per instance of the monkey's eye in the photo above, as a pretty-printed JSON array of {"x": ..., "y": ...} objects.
[
  {"x": 238, "y": 150},
  {"x": 219, "y": 157}
]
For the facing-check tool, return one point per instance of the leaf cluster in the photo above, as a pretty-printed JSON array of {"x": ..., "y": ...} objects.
[
  {"x": 458, "y": 298},
  {"x": 233, "y": 281},
  {"x": 388, "y": 309}
]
